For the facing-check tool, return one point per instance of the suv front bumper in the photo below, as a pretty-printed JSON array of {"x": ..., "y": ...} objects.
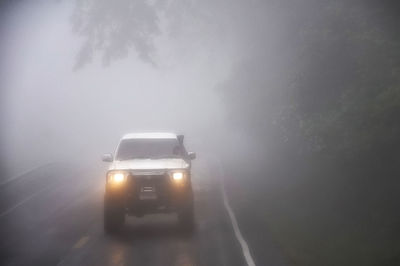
[{"x": 142, "y": 194}]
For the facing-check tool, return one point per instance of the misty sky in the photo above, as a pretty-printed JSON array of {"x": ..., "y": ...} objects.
[{"x": 51, "y": 111}]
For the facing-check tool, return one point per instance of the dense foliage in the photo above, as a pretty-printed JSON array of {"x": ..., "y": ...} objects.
[
  {"x": 340, "y": 87},
  {"x": 349, "y": 96}
]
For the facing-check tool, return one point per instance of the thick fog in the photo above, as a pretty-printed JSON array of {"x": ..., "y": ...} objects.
[
  {"x": 297, "y": 100},
  {"x": 273, "y": 77},
  {"x": 54, "y": 107},
  {"x": 79, "y": 75}
]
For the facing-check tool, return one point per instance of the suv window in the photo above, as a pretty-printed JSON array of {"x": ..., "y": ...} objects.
[{"x": 148, "y": 149}]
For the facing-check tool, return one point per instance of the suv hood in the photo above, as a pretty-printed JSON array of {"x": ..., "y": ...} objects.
[{"x": 149, "y": 164}]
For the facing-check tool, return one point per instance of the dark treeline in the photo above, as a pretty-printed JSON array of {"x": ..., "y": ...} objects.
[
  {"x": 333, "y": 81},
  {"x": 326, "y": 116}
]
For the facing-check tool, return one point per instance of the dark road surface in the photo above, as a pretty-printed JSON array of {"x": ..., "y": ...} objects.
[{"x": 53, "y": 216}]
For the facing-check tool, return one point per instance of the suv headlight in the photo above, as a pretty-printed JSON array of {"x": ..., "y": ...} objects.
[
  {"x": 117, "y": 177},
  {"x": 178, "y": 176}
]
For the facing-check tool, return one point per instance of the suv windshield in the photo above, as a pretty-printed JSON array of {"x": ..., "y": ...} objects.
[{"x": 148, "y": 149}]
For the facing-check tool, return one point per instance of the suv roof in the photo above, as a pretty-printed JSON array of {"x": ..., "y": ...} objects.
[{"x": 152, "y": 135}]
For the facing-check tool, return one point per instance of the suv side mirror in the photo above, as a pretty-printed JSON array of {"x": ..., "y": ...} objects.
[
  {"x": 107, "y": 157},
  {"x": 180, "y": 139},
  {"x": 192, "y": 155}
]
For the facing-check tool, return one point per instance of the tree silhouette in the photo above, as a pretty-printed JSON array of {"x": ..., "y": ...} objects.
[{"x": 111, "y": 28}]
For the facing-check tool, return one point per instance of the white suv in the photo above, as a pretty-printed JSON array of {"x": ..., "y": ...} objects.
[{"x": 150, "y": 173}]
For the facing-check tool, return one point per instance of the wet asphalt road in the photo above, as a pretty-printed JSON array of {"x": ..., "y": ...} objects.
[{"x": 53, "y": 216}]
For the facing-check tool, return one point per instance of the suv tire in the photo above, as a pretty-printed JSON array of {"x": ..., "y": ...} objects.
[
  {"x": 186, "y": 218},
  {"x": 114, "y": 217}
]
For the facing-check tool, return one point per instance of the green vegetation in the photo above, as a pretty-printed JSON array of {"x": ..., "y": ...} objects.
[
  {"x": 331, "y": 187},
  {"x": 328, "y": 217}
]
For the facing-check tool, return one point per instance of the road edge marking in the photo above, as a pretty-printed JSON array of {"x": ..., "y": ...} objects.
[
  {"x": 12, "y": 208},
  {"x": 24, "y": 173},
  {"x": 235, "y": 225},
  {"x": 81, "y": 242}
]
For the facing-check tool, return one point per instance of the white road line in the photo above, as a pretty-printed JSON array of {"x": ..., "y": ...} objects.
[
  {"x": 23, "y": 201},
  {"x": 238, "y": 234},
  {"x": 81, "y": 242},
  {"x": 5, "y": 182}
]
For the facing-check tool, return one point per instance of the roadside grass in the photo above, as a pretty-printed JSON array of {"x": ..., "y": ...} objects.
[{"x": 324, "y": 219}]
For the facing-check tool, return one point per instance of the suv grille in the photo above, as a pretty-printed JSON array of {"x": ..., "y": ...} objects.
[{"x": 160, "y": 184}]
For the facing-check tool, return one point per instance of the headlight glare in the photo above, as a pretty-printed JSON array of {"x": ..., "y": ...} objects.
[
  {"x": 177, "y": 176},
  {"x": 116, "y": 177}
]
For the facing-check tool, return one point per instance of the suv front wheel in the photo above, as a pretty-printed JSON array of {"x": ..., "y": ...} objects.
[
  {"x": 186, "y": 218},
  {"x": 114, "y": 216}
]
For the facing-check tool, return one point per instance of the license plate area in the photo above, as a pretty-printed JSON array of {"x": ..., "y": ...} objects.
[{"x": 147, "y": 192}]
